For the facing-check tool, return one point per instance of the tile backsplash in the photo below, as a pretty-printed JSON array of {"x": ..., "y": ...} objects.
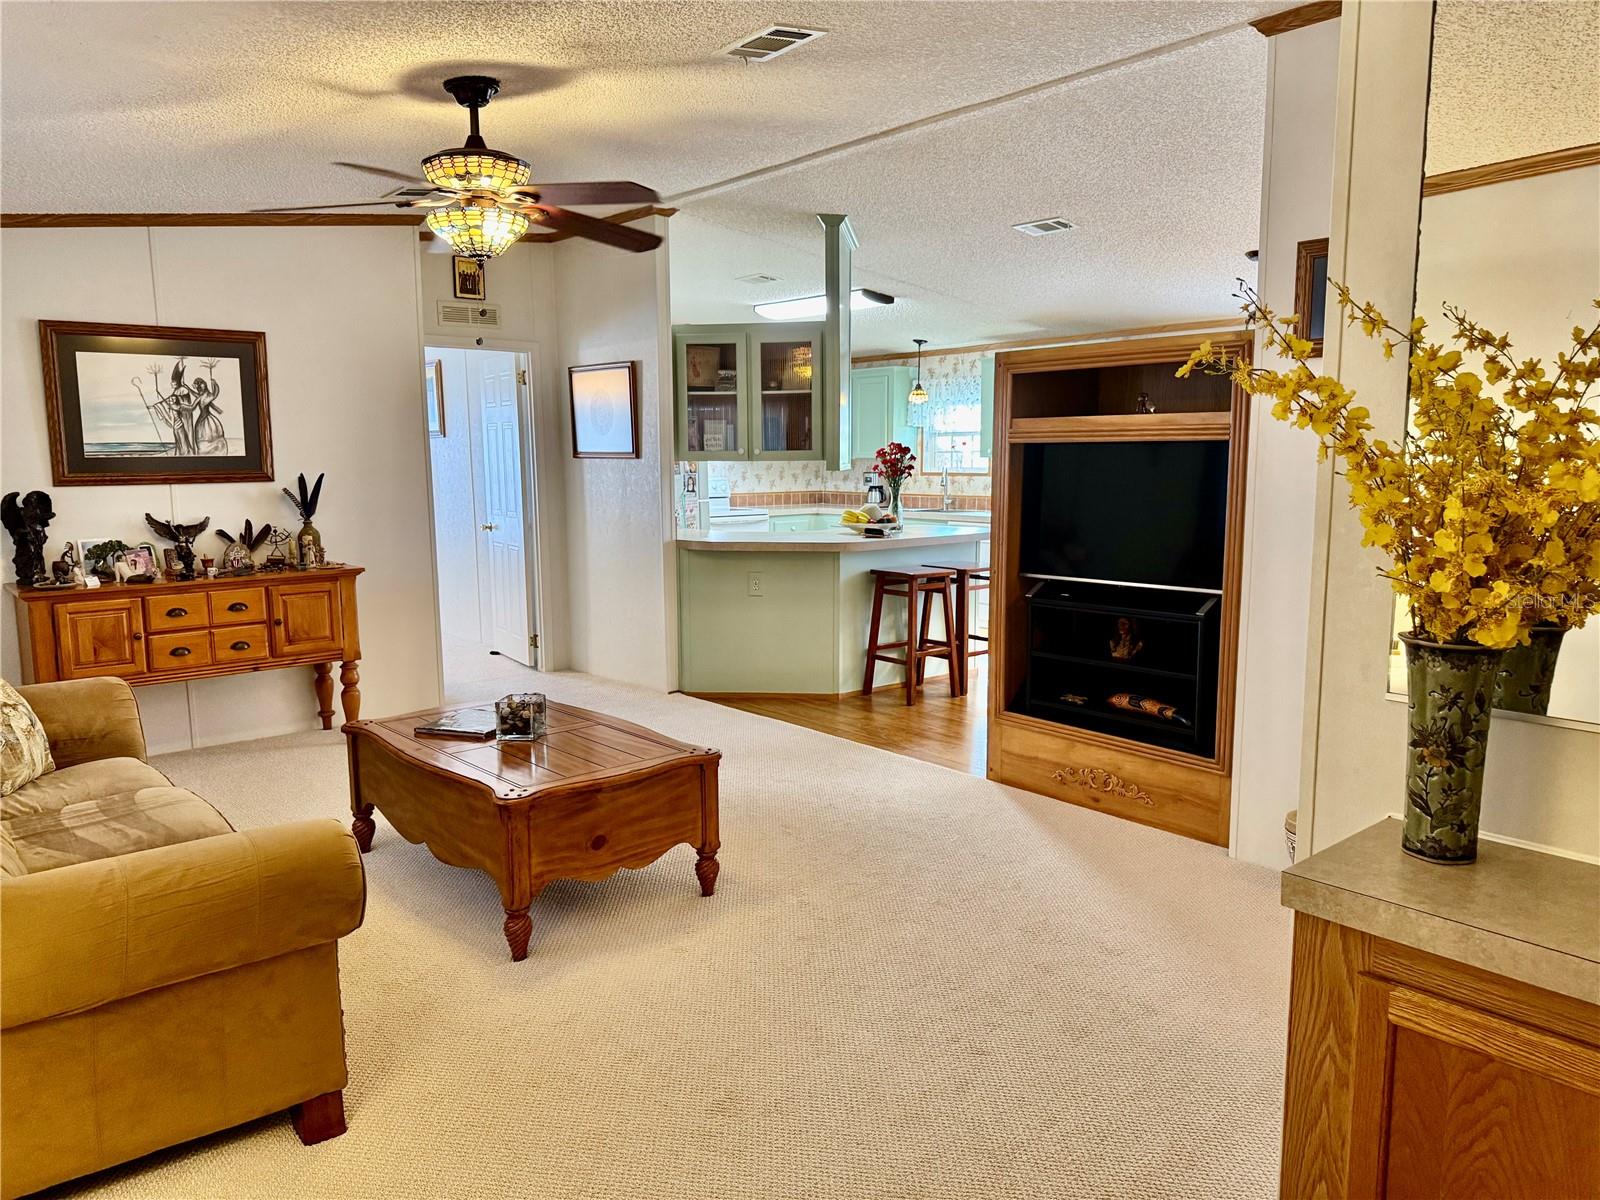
[{"x": 802, "y": 479}]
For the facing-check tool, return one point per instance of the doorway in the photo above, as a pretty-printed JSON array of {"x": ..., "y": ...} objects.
[{"x": 481, "y": 461}]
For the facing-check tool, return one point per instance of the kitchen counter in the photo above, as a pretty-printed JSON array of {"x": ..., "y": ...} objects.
[
  {"x": 919, "y": 534},
  {"x": 785, "y": 610},
  {"x": 1524, "y": 914}
]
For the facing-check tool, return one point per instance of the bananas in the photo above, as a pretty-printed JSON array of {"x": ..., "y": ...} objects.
[{"x": 854, "y": 516}]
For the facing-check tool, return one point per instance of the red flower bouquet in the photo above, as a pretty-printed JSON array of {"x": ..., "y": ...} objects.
[{"x": 896, "y": 464}]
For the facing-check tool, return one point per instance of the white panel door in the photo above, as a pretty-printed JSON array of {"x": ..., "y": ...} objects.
[{"x": 494, "y": 384}]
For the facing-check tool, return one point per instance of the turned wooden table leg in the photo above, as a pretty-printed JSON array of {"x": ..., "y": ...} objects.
[
  {"x": 706, "y": 868},
  {"x": 324, "y": 685},
  {"x": 363, "y": 826},
  {"x": 319, "y": 1118},
  {"x": 519, "y": 928},
  {"x": 350, "y": 692}
]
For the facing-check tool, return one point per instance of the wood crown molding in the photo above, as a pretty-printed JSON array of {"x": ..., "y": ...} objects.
[
  {"x": 1512, "y": 168},
  {"x": 1297, "y": 18},
  {"x": 1219, "y": 324},
  {"x": 123, "y": 220}
]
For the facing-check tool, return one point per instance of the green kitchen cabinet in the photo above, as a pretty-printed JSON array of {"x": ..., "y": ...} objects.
[
  {"x": 878, "y": 410},
  {"x": 748, "y": 392}
]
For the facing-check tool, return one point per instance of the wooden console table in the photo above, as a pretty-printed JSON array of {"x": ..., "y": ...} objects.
[{"x": 170, "y": 631}]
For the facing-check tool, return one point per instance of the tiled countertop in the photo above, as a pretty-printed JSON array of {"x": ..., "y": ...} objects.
[{"x": 1522, "y": 913}]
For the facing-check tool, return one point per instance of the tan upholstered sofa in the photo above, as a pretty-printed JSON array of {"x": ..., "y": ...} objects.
[{"x": 161, "y": 976}]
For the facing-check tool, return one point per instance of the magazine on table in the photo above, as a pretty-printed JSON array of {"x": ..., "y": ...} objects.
[{"x": 472, "y": 724}]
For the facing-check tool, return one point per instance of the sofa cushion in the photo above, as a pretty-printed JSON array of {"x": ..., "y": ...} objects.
[
  {"x": 86, "y": 781},
  {"x": 24, "y": 748},
  {"x": 111, "y": 826},
  {"x": 10, "y": 860}
]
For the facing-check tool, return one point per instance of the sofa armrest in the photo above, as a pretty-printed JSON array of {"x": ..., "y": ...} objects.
[
  {"x": 87, "y": 719},
  {"x": 76, "y": 937}
]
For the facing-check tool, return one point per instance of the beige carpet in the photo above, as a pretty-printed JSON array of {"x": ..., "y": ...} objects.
[{"x": 911, "y": 983}]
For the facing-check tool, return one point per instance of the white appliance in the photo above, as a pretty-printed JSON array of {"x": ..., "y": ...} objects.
[{"x": 722, "y": 513}]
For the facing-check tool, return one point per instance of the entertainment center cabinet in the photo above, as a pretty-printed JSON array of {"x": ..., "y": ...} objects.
[{"x": 1118, "y": 515}]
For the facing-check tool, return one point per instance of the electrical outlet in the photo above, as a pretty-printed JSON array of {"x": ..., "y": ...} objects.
[{"x": 756, "y": 586}]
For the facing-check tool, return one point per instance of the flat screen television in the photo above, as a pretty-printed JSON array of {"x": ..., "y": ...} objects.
[{"x": 1151, "y": 513}]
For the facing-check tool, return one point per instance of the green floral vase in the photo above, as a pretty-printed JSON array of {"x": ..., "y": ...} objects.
[
  {"x": 1523, "y": 684},
  {"x": 1451, "y": 697}
]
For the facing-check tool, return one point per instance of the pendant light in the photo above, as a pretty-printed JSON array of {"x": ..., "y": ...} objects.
[{"x": 919, "y": 394}]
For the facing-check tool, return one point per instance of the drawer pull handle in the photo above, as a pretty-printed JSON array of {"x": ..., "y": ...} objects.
[
  {"x": 180, "y": 652},
  {"x": 238, "y": 606},
  {"x": 138, "y": 637},
  {"x": 177, "y": 612},
  {"x": 240, "y": 646},
  {"x": 277, "y": 620}
]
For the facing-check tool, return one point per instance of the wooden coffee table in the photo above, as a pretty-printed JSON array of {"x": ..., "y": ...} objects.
[{"x": 593, "y": 796}]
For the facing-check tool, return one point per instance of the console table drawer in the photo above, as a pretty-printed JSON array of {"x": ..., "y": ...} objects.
[
  {"x": 239, "y": 644},
  {"x": 175, "y": 612},
  {"x": 238, "y": 606},
  {"x": 180, "y": 651}
]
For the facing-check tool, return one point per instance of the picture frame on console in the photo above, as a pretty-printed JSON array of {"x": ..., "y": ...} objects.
[{"x": 131, "y": 404}]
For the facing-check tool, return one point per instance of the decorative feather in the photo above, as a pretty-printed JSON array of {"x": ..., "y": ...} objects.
[{"x": 255, "y": 539}]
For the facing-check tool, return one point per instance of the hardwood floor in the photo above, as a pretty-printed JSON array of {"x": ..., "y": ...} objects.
[{"x": 939, "y": 728}]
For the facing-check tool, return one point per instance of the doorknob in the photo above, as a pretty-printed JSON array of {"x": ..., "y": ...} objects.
[{"x": 489, "y": 528}]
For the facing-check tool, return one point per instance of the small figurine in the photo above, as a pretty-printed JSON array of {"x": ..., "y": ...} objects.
[
  {"x": 239, "y": 557},
  {"x": 305, "y": 504},
  {"x": 1131, "y": 702},
  {"x": 67, "y": 569},
  {"x": 1143, "y": 404},
  {"x": 27, "y": 523},
  {"x": 1125, "y": 647},
  {"x": 183, "y": 536}
]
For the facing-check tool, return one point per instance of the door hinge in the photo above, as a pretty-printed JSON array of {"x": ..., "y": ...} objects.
[
  {"x": 533, "y": 640},
  {"x": 522, "y": 376}
]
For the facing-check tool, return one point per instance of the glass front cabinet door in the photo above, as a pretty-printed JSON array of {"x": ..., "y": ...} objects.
[
  {"x": 788, "y": 410},
  {"x": 713, "y": 397},
  {"x": 749, "y": 393}
]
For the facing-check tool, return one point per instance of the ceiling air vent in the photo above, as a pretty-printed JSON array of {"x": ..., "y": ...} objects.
[
  {"x": 1046, "y": 226},
  {"x": 758, "y": 277},
  {"x": 770, "y": 43},
  {"x": 465, "y": 316}
]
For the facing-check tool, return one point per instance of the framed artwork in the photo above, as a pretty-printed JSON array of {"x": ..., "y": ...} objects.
[
  {"x": 433, "y": 388},
  {"x": 155, "y": 404},
  {"x": 142, "y": 559},
  {"x": 605, "y": 410},
  {"x": 470, "y": 283},
  {"x": 1311, "y": 291}
]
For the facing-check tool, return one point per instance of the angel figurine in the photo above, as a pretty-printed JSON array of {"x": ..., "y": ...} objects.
[{"x": 183, "y": 536}]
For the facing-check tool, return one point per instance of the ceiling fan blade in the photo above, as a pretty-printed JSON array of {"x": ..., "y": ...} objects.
[
  {"x": 623, "y": 237},
  {"x": 384, "y": 173},
  {"x": 357, "y": 204},
  {"x": 601, "y": 192}
]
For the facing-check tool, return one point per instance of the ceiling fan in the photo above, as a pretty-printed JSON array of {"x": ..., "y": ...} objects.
[{"x": 482, "y": 201}]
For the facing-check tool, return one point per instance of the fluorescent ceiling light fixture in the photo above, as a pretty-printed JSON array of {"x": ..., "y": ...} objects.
[{"x": 804, "y": 308}]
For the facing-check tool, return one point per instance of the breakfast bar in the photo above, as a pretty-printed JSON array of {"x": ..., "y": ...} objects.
[{"x": 785, "y": 611}]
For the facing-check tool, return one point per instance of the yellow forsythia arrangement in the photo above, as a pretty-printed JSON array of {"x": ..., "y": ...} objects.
[{"x": 1489, "y": 510}]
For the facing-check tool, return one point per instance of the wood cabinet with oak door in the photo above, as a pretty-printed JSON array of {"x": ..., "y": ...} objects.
[{"x": 171, "y": 631}]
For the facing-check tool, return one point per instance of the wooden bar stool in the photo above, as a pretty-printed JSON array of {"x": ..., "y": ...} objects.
[
  {"x": 918, "y": 646},
  {"x": 968, "y": 579}
]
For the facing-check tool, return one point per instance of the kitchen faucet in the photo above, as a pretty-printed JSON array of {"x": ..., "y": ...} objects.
[{"x": 944, "y": 486}]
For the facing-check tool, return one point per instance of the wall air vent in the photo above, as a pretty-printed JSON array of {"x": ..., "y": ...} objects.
[
  {"x": 769, "y": 43},
  {"x": 469, "y": 315},
  {"x": 758, "y": 278},
  {"x": 1046, "y": 226}
]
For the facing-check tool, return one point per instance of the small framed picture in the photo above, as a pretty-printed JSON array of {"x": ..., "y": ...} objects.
[
  {"x": 155, "y": 404},
  {"x": 469, "y": 279},
  {"x": 1311, "y": 292},
  {"x": 141, "y": 559},
  {"x": 433, "y": 387},
  {"x": 605, "y": 410}
]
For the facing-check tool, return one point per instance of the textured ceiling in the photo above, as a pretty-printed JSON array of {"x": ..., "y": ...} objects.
[
  {"x": 223, "y": 107},
  {"x": 1512, "y": 79}
]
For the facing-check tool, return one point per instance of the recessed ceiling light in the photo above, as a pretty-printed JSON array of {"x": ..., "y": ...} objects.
[
  {"x": 771, "y": 42},
  {"x": 1048, "y": 225},
  {"x": 804, "y": 308}
]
